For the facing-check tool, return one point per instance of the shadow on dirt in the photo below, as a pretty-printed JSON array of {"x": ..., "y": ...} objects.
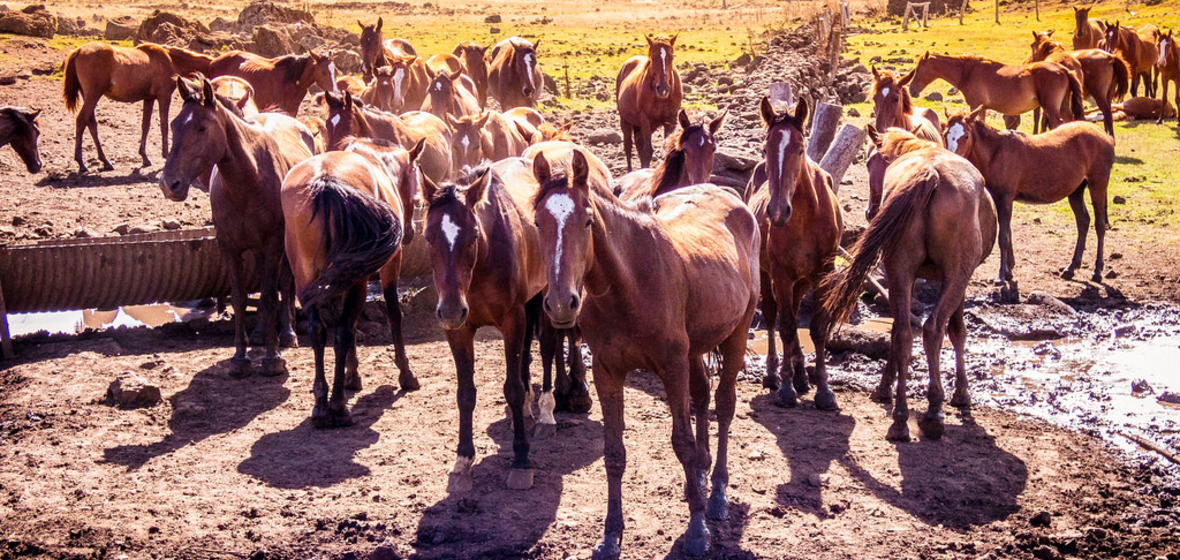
[
  {"x": 99, "y": 179},
  {"x": 303, "y": 456},
  {"x": 213, "y": 403},
  {"x": 494, "y": 522}
]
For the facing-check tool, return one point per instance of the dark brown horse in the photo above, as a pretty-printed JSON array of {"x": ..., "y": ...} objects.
[
  {"x": 662, "y": 287},
  {"x": 1105, "y": 76},
  {"x": 689, "y": 161},
  {"x": 447, "y": 95},
  {"x": 1039, "y": 169},
  {"x": 514, "y": 76},
  {"x": 1087, "y": 32},
  {"x": 647, "y": 92},
  {"x": 279, "y": 83},
  {"x": 938, "y": 223},
  {"x": 473, "y": 56},
  {"x": 342, "y": 213},
  {"x": 1168, "y": 67},
  {"x": 801, "y": 225},
  {"x": 893, "y": 106},
  {"x": 251, "y": 161},
  {"x": 348, "y": 117},
  {"x": 144, "y": 73},
  {"x": 1138, "y": 47},
  {"x": 376, "y": 52},
  {"x": 20, "y": 128}
]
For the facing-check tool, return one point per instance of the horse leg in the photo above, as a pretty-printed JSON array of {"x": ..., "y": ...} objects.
[
  {"x": 146, "y": 127},
  {"x": 901, "y": 348},
  {"x": 390, "y": 274},
  {"x": 550, "y": 399},
  {"x": 1177, "y": 103},
  {"x": 931, "y": 424},
  {"x": 610, "y": 395},
  {"x": 102, "y": 156},
  {"x": 520, "y": 476},
  {"x": 1004, "y": 212},
  {"x": 165, "y": 103},
  {"x": 318, "y": 333},
  {"x": 645, "y": 149},
  {"x": 770, "y": 318},
  {"x": 1077, "y": 203},
  {"x": 1163, "y": 102},
  {"x": 733, "y": 356},
  {"x": 1098, "y": 201},
  {"x": 1011, "y": 122},
  {"x": 579, "y": 400},
  {"x": 798, "y": 363},
  {"x": 1103, "y": 103},
  {"x": 338, "y": 415},
  {"x": 698, "y": 390},
  {"x": 1037, "y": 120},
  {"x": 788, "y": 332},
  {"x": 240, "y": 363},
  {"x": 268, "y": 263},
  {"x": 825, "y": 399},
  {"x": 674, "y": 375},
  {"x": 627, "y": 141},
  {"x": 462, "y": 343},
  {"x": 80, "y": 123},
  {"x": 957, "y": 332},
  {"x": 287, "y": 338}
]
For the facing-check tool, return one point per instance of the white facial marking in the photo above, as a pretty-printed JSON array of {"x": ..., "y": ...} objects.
[
  {"x": 956, "y": 132},
  {"x": 528, "y": 64},
  {"x": 664, "y": 57},
  {"x": 783, "y": 140},
  {"x": 885, "y": 92},
  {"x": 1163, "y": 51},
  {"x": 397, "y": 84},
  {"x": 332, "y": 74},
  {"x": 450, "y": 230},
  {"x": 560, "y": 206},
  {"x": 188, "y": 118},
  {"x": 335, "y": 120},
  {"x": 702, "y": 141}
]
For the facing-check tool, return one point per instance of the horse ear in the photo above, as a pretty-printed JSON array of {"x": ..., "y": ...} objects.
[
  {"x": 379, "y": 23},
  {"x": 648, "y": 37},
  {"x": 348, "y": 101},
  {"x": 207, "y": 92},
  {"x": 452, "y": 121},
  {"x": 876, "y": 74},
  {"x": 925, "y": 55},
  {"x": 482, "y": 120},
  {"x": 1049, "y": 33},
  {"x": 716, "y": 123},
  {"x": 580, "y": 169},
  {"x": 360, "y": 25},
  {"x": 456, "y": 74},
  {"x": 524, "y": 133},
  {"x": 478, "y": 190},
  {"x": 541, "y": 170},
  {"x": 874, "y": 136},
  {"x": 429, "y": 189},
  {"x": 33, "y": 116},
  {"x": 186, "y": 91},
  {"x": 417, "y": 150},
  {"x": 979, "y": 114},
  {"x": 334, "y": 101},
  {"x": 801, "y": 111},
  {"x": 683, "y": 118},
  {"x": 536, "y": 45},
  {"x": 767, "y": 111},
  {"x": 672, "y": 41},
  {"x": 905, "y": 80},
  {"x": 1035, "y": 36}
]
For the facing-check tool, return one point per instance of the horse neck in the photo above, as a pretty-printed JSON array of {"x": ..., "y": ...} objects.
[
  {"x": 241, "y": 161},
  {"x": 394, "y": 123},
  {"x": 950, "y": 69},
  {"x": 7, "y": 129},
  {"x": 672, "y": 173},
  {"x": 615, "y": 226},
  {"x": 987, "y": 143},
  {"x": 186, "y": 62},
  {"x": 806, "y": 191}
]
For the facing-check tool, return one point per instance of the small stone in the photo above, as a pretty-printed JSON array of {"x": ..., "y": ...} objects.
[
  {"x": 852, "y": 112},
  {"x": 144, "y": 228},
  {"x": 605, "y": 136},
  {"x": 122, "y": 229},
  {"x": 756, "y": 455},
  {"x": 1141, "y": 386},
  {"x": 1169, "y": 397},
  {"x": 170, "y": 223},
  {"x": 129, "y": 390},
  {"x": 19, "y": 221},
  {"x": 815, "y": 480},
  {"x": 934, "y": 96},
  {"x": 1118, "y": 200},
  {"x": 384, "y": 552},
  {"x": 1046, "y": 552},
  {"x": 494, "y": 30},
  {"x": 494, "y": 18},
  {"x": 1041, "y": 519}
]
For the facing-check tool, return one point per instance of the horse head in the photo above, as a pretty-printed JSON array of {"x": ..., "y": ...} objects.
[
  {"x": 400, "y": 69},
  {"x": 321, "y": 71},
  {"x": 467, "y": 138},
  {"x": 962, "y": 130},
  {"x": 453, "y": 233},
  {"x": 891, "y": 101},
  {"x": 372, "y": 50},
  {"x": 1165, "y": 46},
  {"x": 524, "y": 65},
  {"x": 785, "y": 155},
  {"x": 26, "y": 129},
  {"x": 659, "y": 52},
  {"x": 921, "y": 75},
  {"x": 698, "y": 144},
  {"x": 564, "y": 219},
  {"x": 198, "y": 138},
  {"x": 1111, "y": 39},
  {"x": 442, "y": 92},
  {"x": 341, "y": 122},
  {"x": 383, "y": 88},
  {"x": 472, "y": 55}
]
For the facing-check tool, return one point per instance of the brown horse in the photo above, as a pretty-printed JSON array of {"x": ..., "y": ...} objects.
[
  {"x": 342, "y": 213},
  {"x": 143, "y": 73},
  {"x": 1008, "y": 89},
  {"x": 938, "y": 223},
  {"x": 1138, "y": 47},
  {"x": 1145, "y": 108},
  {"x": 559, "y": 152},
  {"x": 647, "y": 92},
  {"x": 447, "y": 95},
  {"x": 514, "y": 76},
  {"x": 376, "y": 52},
  {"x": 1105, "y": 76},
  {"x": 411, "y": 78},
  {"x": 377, "y": 93},
  {"x": 475, "y": 65},
  {"x": 279, "y": 83},
  {"x": 1168, "y": 67},
  {"x": 349, "y": 117},
  {"x": 250, "y": 162},
  {"x": 893, "y": 106},
  {"x": 20, "y": 128},
  {"x": 801, "y": 224},
  {"x": 487, "y": 136},
  {"x": 1087, "y": 33},
  {"x": 662, "y": 287},
  {"x": 689, "y": 161},
  {"x": 1039, "y": 169}
]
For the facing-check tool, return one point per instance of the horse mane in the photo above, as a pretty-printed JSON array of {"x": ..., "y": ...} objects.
[
  {"x": 662, "y": 40},
  {"x": 291, "y": 66},
  {"x": 898, "y": 141},
  {"x": 669, "y": 169}
]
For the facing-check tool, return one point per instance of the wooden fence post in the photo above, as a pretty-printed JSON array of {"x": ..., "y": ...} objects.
[
  {"x": 839, "y": 158},
  {"x": 824, "y": 121}
]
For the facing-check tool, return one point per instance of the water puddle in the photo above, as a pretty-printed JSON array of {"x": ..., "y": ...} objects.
[{"x": 77, "y": 321}]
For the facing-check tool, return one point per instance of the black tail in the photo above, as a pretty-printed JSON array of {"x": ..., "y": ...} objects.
[{"x": 361, "y": 233}]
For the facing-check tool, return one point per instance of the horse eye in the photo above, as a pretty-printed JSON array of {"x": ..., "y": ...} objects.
[
  {"x": 589, "y": 222},
  {"x": 201, "y": 128}
]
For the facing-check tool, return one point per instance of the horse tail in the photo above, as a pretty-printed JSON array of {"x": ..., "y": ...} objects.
[
  {"x": 883, "y": 235},
  {"x": 1076, "y": 98},
  {"x": 71, "y": 86},
  {"x": 1122, "y": 76},
  {"x": 361, "y": 233}
]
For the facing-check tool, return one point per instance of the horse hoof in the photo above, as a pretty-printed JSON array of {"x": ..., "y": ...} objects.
[
  {"x": 1096, "y": 278},
  {"x": 409, "y": 382},
  {"x": 352, "y": 381},
  {"x": 82, "y": 169},
  {"x": 786, "y": 402},
  {"x": 825, "y": 400},
  {"x": 932, "y": 427},
  {"x": 460, "y": 483},
  {"x": 899, "y": 431},
  {"x": 273, "y": 367},
  {"x": 696, "y": 538},
  {"x": 801, "y": 385},
  {"x": 770, "y": 382},
  {"x": 544, "y": 431},
  {"x": 1067, "y": 274},
  {"x": 883, "y": 397},
  {"x": 961, "y": 400},
  {"x": 288, "y": 340},
  {"x": 106, "y": 166},
  {"x": 718, "y": 506},
  {"x": 608, "y": 547},
  {"x": 579, "y": 401},
  {"x": 240, "y": 368},
  {"x": 329, "y": 419},
  {"x": 519, "y": 479}
]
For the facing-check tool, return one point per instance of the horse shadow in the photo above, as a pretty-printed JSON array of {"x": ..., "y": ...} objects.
[
  {"x": 960, "y": 481},
  {"x": 304, "y": 456},
  {"x": 492, "y": 521},
  {"x": 811, "y": 440},
  {"x": 97, "y": 179},
  {"x": 726, "y": 537},
  {"x": 213, "y": 403}
]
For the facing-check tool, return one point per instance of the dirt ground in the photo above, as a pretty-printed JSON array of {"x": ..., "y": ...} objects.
[{"x": 228, "y": 468}]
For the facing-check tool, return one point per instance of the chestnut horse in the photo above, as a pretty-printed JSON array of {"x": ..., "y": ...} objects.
[
  {"x": 279, "y": 83},
  {"x": 376, "y": 52},
  {"x": 662, "y": 287},
  {"x": 1105, "y": 76},
  {"x": 143, "y": 73},
  {"x": 689, "y": 161},
  {"x": 1039, "y": 169},
  {"x": 342, "y": 213},
  {"x": 1087, "y": 32},
  {"x": 1168, "y": 67},
  {"x": 937, "y": 223},
  {"x": 475, "y": 65},
  {"x": 487, "y": 136},
  {"x": 447, "y": 95},
  {"x": 1138, "y": 47},
  {"x": 20, "y": 128},
  {"x": 514, "y": 77},
  {"x": 250, "y": 161},
  {"x": 350, "y": 117},
  {"x": 801, "y": 224},
  {"x": 647, "y": 92},
  {"x": 893, "y": 106},
  {"x": 1008, "y": 89}
]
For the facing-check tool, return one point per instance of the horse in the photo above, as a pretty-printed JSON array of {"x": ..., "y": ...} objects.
[
  {"x": 1008, "y": 89},
  {"x": 447, "y": 95},
  {"x": 1039, "y": 169},
  {"x": 1138, "y": 47},
  {"x": 20, "y": 128},
  {"x": 1105, "y": 76},
  {"x": 661, "y": 288},
  {"x": 514, "y": 77},
  {"x": 350, "y": 117},
  {"x": 1087, "y": 33},
  {"x": 472, "y": 55},
  {"x": 445, "y": 62},
  {"x": 648, "y": 95},
  {"x": 1145, "y": 108},
  {"x": 377, "y": 93},
  {"x": 689, "y": 161},
  {"x": 376, "y": 52},
  {"x": 1168, "y": 68},
  {"x": 279, "y": 83},
  {"x": 801, "y": 224},
  {"x": 342, "y": 213},
  {"x": 411, "y": 78},
  {"x": 143, "y": 73},
  {"x": 251, "y": 161},
  {"x": 487, "y": 136},
  {"x": 937, "y": 222},
  {"x": 560, "y": 152},
  {"x": 893, "y": 106}
]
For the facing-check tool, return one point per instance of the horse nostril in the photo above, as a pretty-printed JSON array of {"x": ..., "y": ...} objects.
[
  {"x": 548, "y": 308},
  {"x": 574, "y": 301}
]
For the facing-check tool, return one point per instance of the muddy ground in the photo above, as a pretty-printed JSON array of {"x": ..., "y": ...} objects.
[{"x": 227, "y": 468}]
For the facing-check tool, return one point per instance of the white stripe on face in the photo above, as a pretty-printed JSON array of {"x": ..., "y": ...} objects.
[
  {"x": 397, "y": 85},
  {"x": 332, "y": 75},
  {"x": 560, "y": 206},
  {"x": 335, "y": 120},
  {"x": 783, "y": 140},
  {"x": 528, "y": 65},
  {"x": 885, "y": 92},
  {"x": 450, "y": 230},
  {"x": 956, "y": 132}
]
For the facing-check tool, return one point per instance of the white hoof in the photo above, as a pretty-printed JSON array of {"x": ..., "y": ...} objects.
[{"x": 547, "y": 403}]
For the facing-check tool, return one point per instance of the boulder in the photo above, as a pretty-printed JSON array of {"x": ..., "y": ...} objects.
[
  {"x": 272, "y": 41},
  {"x": 179, "y": 31},
  {"x": 605, "y": 136},
  {"x": 33, "y": 21},
  {"x": 121, "y": 28},
  {"x": 347, "y": 61},
  {"x": 862, "y": 341},
  {"x": 262, "y": 12},
  {"x": 129, "y": 390}
]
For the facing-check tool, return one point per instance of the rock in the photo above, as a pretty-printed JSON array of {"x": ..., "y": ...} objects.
[
  {"x": 168, "y": 28},
  {"x": 860, "y": 340},
  {"x": 1044, "y": 299},
  {"x": 271, "y": 41},
  {"x": 726, "y": 159},
  {"x": 494, "y": 18},
  {"x": 129, "y": 390},
  {"x": 312, "y": 42},
  {"x": 743, "y": 60},
  {"x": 170, "y": 223},
  {"x": 1119, "y": 200},
  {"x": 1046, "y": 552},
  {"x": 852, "y": 112},
  {"x": 1042, "y": 519},
  {"x": 934, "y": 96},
  {"x": 814, "y": 479},
  {"x": 549, "y": 83},
  {"x": 494, "y": 30},
  {"x": 1141, "y": 386},
  {"x": 346, "y": 61},
  {"x": 121, "y": 29},
  {"x": 143, "y": 228},
  {"x": 262, "y": 12},
  {"x": 7, "y": 80},
  {"x": 953, "y": 91},
  {"x": 724, "y": 80},
  {"x": 605, "y": 136},
  {"x": 33, "y": 21},
  {"x": 1169, "y": 397},
  {"x": 384, "y": 552}
]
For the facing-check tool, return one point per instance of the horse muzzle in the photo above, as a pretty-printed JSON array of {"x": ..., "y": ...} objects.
[
  {"x": 662, "y": 92},
  {"x": 562, "y": 309},
  {"x": 34, "y": 167},
  {"x": 527, "y": 91},
  {"x": 451, "y": 316},
  {"x": 779, "y": 216},
  {"x": 174, "y": 189}
]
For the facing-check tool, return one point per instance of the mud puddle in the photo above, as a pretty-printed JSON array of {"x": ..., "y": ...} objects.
[{"x": 82, "y": 320}]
